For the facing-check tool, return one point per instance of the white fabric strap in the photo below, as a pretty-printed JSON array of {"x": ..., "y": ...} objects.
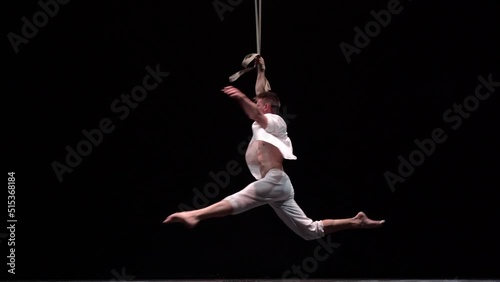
[
  {"x": 246, "y": 61},
  {"x": 251, "y": 57},
  {"x": 258, "y": 23}
]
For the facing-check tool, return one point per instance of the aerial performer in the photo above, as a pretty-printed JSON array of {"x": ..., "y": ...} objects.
[{"x": 267, "y": 149}]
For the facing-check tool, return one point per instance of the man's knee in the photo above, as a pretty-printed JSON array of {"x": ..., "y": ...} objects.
[
  {"x": 311, "y": 232},
  {"x": 229, "y": 205}
]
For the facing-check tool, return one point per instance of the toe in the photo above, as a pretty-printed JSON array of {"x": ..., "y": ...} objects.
[{"x": 168, "y": 219}]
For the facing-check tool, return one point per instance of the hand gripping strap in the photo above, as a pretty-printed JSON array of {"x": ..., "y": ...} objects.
[{"x": 246, "y": 61}]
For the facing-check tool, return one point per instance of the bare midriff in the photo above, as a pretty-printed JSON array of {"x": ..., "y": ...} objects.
[{"x": 267, "y": 157}]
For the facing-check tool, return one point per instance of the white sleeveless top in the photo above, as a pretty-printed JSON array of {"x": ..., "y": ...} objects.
[{"x": 274, "y": 134}]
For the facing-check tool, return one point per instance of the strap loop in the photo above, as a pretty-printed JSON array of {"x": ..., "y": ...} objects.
[{"x": 246, "y": 61}]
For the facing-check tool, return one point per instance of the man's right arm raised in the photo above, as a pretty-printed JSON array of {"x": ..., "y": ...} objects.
[{"x": 248, "y": 106}]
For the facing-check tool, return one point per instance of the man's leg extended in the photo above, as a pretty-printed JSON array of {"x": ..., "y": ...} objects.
[
  {"x": 360, "y": 221},
  {"x": 191, "y": 218},
  {"x": 293, "y": 216},
  {"x": 255, "y": 194}
]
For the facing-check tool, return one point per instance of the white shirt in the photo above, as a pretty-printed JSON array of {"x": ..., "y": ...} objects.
[{"x": 275, "y": 134}]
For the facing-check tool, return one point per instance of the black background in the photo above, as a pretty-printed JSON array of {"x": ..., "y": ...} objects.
[{"x": 352, "y": 121}]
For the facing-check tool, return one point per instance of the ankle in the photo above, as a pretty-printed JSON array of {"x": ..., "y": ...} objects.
[
  {"x": 356, "y": 222},
  {"x": 195, "y": 214}
]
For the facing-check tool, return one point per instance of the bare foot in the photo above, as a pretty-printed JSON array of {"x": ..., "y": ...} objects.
[
  {"x": 362, "y": 221},
  {"x": 186, "y": 218}
]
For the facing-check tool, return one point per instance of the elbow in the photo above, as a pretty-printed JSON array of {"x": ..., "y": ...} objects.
[{"x": 255, "y": 115}]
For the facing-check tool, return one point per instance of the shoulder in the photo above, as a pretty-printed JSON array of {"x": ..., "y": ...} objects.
[
  {"x": 275, "y": 122},
  {"x": 274, "y": 117}
]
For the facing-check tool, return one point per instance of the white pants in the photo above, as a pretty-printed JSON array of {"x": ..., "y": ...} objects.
[{"x": 276, "y": 190}]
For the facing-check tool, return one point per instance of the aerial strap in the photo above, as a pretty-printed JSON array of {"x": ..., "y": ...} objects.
[{"x": 251, "y": 57}]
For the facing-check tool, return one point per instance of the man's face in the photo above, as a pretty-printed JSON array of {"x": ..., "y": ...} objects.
[{"x": 261, "y": 105}]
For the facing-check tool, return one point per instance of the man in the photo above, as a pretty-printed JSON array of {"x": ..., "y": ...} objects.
[{"x": 267, "y": 149}]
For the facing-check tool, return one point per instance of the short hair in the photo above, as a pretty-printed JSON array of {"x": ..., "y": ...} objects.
[{"x": 271, "y": 98}]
